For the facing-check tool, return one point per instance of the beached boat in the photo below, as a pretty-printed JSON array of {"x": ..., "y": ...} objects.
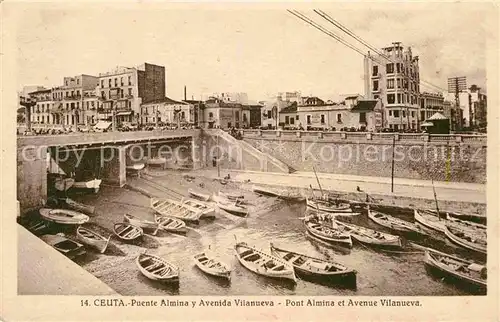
[
  {"x": 394, "y": 223},
  {"x": 263, "y": 263},
  {"x": 199, "y": 195},
  {"x": 232, "y": 207},
  {"x": 327, "y": 206},
  {"x": 143, "y": 223},
  {"x": 93, "y": 184},
  {"x": 209, "y": 264},
  {"x": 63, "y": 184},
  {"x": 465, "y": 224},
  {"x": 429, "y": 220},
  {"x": 157, "y": 161},
  {"x": 127, "y": 231},
  {"x": 64, "y": 216},
  {"x": 86, "y": 209},
  {"x": 157, "y": 268},
  {"x": 136, "y": 166},
  {"x": 321, "y": 215},
  {"x": 231, "y": 195},
  {"x": 173, "y": 208},
  {"x": 328, "y": 234},
  {"x": 369, "y": 236},
  {"x": 268, "y": 191},
  {"x": 311, "y": 268},
  {"x": 68, "y": 247},
  {"x": 171, "y": 224},
  {"x": 467, "y": 239},
  {"x": 92, "y": 238},
  {"x": 206, "y": 210},
  {"x": 446, "y": 265}
]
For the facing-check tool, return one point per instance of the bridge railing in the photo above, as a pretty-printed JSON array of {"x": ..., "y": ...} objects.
[{"x": 366, "y": 136}]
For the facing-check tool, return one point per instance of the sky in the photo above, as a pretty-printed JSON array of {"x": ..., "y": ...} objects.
[{"x": 247, "y": 48}]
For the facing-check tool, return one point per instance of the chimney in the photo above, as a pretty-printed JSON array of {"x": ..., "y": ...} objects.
[
  {"x": 367, "y": 76},
  {"x": 185, "y": 93}
]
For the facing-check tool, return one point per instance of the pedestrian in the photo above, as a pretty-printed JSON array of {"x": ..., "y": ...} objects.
[{"x": 214, "y": 161}]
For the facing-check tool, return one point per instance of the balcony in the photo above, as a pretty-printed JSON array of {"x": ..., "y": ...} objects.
[{"x": 72, "y": 97}]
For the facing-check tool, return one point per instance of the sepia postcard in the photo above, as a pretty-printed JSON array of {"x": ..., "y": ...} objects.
[{"x": 249, "y": 161}]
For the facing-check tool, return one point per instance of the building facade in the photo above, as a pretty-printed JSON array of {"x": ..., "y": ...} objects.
[
  {"x": 167, "y": 112},
  {"x": 220, "y": 114},
  {"x": 430, "y": 103},
  {"x": 41, "y": 113},
  {"x": 395, "y": 81}
]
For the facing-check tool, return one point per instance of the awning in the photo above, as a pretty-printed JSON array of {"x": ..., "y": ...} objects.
[
  {"x": 123, "y": 113},
  {"x": 425, "y": 124},
  {"x": 102, "y": 125}
]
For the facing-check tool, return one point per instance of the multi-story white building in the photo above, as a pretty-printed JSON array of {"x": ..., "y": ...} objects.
[
  {"x": 395, "y": 81},
  {"x": 430, "y": 103},
  {"x": 167, "y": 112},
  {"x": 41, "y": 112}
]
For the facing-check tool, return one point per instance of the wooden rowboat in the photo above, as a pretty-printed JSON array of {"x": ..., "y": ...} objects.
[
  {"x": 172, "y": 208},
  {"x": 446, "y": 265},
  {"x": 142, "y": 223},
  {"x": 263, "y": 263},
  {"x": 369, "y": 236},
  {"x": 327, "y": 206},
  {"x": 157, "y": 268},
  {"x": 198, "y": 195},
  {"x": 232, "y": 207},
  {"x": 231, "y": 195},
  {"x": 394, "y": 223},
  {"x": 465, "y": 224},
  {"x": 127, "y": 231},
  {"x": 64, "y": 216},
  {"x": 171, "y": 224},
  {"x": 429, "y": 220},
  {"x": 311, "y": 268},
  {"x": 467, "y": 239},
  {"x": 209, "y": 264},
  {"x": 68, "y": 247},
  {"x": 328, "y": 234},
  {"x": 92, "y": 238},
  {"x": 206, "y": 211}
]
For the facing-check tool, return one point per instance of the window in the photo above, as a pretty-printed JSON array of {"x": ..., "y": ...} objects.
[
  {"x": 130, "y": 80},
  {"x": 88, "y": 107},
  {"x": 403, "y": 97},
  {"x": 237, "y": 113},
  {"x": 375, "y": 85},
  {"x": 399, "y": 98},
  {"x": 397, "y": 67},
  {"x": 322, "y": 119},
  {"x": 375, "y": 70},
  {"x": 390, "y": 83},
  {"x": 77, "y": 104},
  {"x": 296, "y": 117},
  {"x": 412, "y": 113},
  {"x": 391, "y": 98},
  {"x": 77, "y": 81},
  {"x": 130, "y": 104},
  {"x": 287, "y": 119},
  {"x": 362, "y": 117},
  {"x": 121, "y": 93},
  {"x": 72, "y": 93},
  {"x": 109, "y": 82},
  {"x": 77, "y": 93},
  {"x": 121, "y": 81},
  {"x": 102, "y": 83},
  {"x": 396, "y": 113},
  {"x": 116, "y": 82},
  {"x": 390, "y": 68},
  {"x": 103, "y": 94},
  {"x": 399, "y": 83},
  {"x": 210, "y": 115},
  {"x": 422, "y": 115},
  {"x": 269, "y": 114},
  {"x": 339, "y": 118},
  {"x": 390, "y": 112},
  {"x": 72, "y": 106},
  {"x": 129, "y": 92},
  {"x": 292, "y": 120},
  {"x": 308, "y": 118},
  {"x": 376, "y": 97},
  {"x": 404, "y": 113}
]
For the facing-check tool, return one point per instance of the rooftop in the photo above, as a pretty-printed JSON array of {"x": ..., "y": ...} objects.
[
  {"x": 365, "y": 105},
  {"x": 165, "y": 100}
]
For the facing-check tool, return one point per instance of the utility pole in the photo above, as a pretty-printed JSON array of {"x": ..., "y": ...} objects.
[{"x": 392, "y": 166}]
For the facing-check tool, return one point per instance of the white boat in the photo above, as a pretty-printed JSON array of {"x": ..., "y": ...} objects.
[
  {"x": 327, "y": 206},
  {"x": 199, "y": 195},
  {"x": 206, "y": 211},
  {"x": 64, "y": 216},
  {"x": 465, "y": 224},
  {"x": 142, "y": 223},
  {"x": 394, "y": 223},
  {"x": 136, "y": 166},
  {"x": 370, "y": 236},
  {"x": 127, "y": 231},
  {"x": 63, "y": 184},
  {"x": 465, "y": 271},
  {"x": 157, "y": 268},
  {"x": 209, "y": 264},
  {"x": 231, "y": 195},
  {"x": 328, "y": 234},
  {"x": 171, "y": 224},
  {"x": 267, "y": 191},
  {"x": 232, "y": 207},
  {"x": 467, "y": 239},
  {"x": 92, "y": 238},
  {"x": 263, "y": 263},
  {"x": 429, "y": 220},
  {"x": 157, "y": 161},
  {"x": 172, "y": 208},
  {"x": 94, "y": 184}
]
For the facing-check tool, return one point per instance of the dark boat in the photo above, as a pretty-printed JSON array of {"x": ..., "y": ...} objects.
[
  {"x": 68, "y": 247},
  {"x": 328, "y": 234},
  {"x": 315, "y": 269},
  {"x": 394, "y": 223},
  {"x": 369, "y": 236},
  {"x": 466, "y": 238},
  {"x": 464, "y": 272}
]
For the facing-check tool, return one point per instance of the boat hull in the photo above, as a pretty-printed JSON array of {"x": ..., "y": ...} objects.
[
  {"x": 199, "y": 195},
  {"x": 345, "y": 241},
  {"x": 323, "y": 206},
  {"x": 63, "y": 216},
  {"x": 127, "y": 232},
  {"x": 224, "y": 274},
  {"x": 362, "y": 235},
  {"x": 98, "y": 242},
  {"x": 373, "y": 215},
  {"x": 451, "y": 234},
  {"x": 175, "y": 209},
  {"x": 429, "y": 222},
  {"x": 171, "y": 225},
  {"x": 172, "y": 278}
]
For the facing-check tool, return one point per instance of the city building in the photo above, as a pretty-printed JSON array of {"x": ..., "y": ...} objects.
[
  {"x": 395, "y": 81},
  {"x": 220, "y": 114},
  {"x": 124, "y": 89},
  {"x": 290, "y": 97},
  {"x": 430, "y": 103},
  {"x": 167, "y": 111},
  {"x": 473, "y": 105},
  {"x": 41, "y": 112},
  {"x": 235, "y": 97}
]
